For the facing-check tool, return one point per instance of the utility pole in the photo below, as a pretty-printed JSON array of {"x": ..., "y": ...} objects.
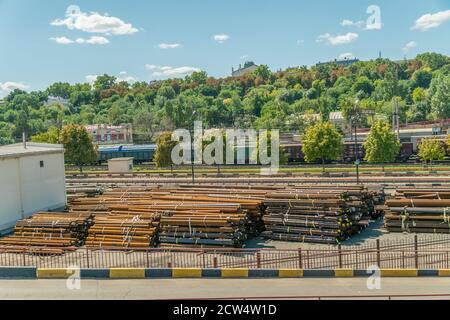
[
  {"x": 355, "y": 147},
  {"x": 192, "y": 132},
  {"x": 396, "y": 120}
]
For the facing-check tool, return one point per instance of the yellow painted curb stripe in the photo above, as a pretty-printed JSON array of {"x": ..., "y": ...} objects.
[
  {"x": 54, "y": 273},
  {"x": 187, "y": 273},
  {"x": 399, "y": 272},
  {"x": 290, "y": 273},
  {"x": 444, "y": 272},
  {"x": 344, "y": 273},
  {"x": 127, "y": 273},
  {"x": 234, "y": 273}
]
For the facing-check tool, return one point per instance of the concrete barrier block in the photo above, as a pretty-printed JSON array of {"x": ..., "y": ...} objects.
[
  {"x": 399, "y": 272},
  {"x": 290, "y": 273},
  {"x": 234, "y": 273},
  {"x": 17, "y": 273},
  {"x": 127, "y": 273},
  {"x": 186, "y": 273}
]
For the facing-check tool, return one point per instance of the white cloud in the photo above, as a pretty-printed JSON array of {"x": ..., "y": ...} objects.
[
  {"x": 300, "y": 42},
  {"x": 431, "y": 20},
  {"x": 62, "y": 40},
  {"x": 93, "y": 22},
  {"x": 346, "y": 56},
  {"x": 167, "y": 71},
  {"x": 245, "y": 56},
  {"x": 351, "y": 23},
  {"x": 169, "y": 45},
  {"x": 7, "y": 87},
  {"x": 221, "y": 38},
  {"x": 410, "y": 45},
  {"x": 91, "y": 78},
  {"x": 92, "y": 40},
  {"x": 339, "y": 39},
  {"x": 123, "y": 76}
]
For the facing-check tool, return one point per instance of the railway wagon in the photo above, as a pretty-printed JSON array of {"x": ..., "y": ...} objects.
[
  {"x": 140, "y": 153},
  {"x": 295, "y": 154}
]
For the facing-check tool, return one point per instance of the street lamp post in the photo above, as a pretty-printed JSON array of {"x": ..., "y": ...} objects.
[
  {"x": 192, "y": 148},
  {"x": 356, "y": 151}
]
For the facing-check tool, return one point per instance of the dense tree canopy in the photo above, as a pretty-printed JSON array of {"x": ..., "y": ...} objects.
[
  {"x": 382, "y": 145},
  {"x": 322, "y": 142},
  {"x": 260, "y": 99},
  {"x": 431, "y": 150}
]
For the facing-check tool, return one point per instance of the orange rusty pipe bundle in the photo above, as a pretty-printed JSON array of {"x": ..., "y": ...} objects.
[
  {"x": 50, "y": 229},
  {"x": 419, "y": 210}
]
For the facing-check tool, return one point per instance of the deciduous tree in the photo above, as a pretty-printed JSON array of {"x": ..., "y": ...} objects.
[
  {"x": 382, "y": 144},
  {"x": 322, "y": 142}
]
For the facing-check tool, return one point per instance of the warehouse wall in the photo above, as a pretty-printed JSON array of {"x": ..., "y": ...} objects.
[
  {"x": 9, "y": 193},
  {"x": 30, "y": 188},
  {"x": 43, "y": 188}
]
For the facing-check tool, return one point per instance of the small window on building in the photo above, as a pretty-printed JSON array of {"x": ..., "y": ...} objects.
[{"x": 41, "y": 163}]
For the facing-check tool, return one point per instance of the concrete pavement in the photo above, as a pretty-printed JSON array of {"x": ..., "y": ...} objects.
[{"x": 220, "y": 288}]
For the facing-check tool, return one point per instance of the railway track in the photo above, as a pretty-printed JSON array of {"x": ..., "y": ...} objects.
[{"x": 386, "y": 181}]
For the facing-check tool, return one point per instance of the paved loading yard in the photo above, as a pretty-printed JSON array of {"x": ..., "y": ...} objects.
[{"x": 352, "y": 288}]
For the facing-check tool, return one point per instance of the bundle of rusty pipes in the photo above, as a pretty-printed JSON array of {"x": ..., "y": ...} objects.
[
  {"x": 419, "y": 210},
  {"x": 319, "y": 214},
  {"x": 49, "y": 230}
]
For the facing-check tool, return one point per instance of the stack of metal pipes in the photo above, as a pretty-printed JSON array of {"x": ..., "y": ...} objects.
[
  {"x": 186, "y": 216},
  {"x": 419, "y": 210},
  {"x": 56, "y": 230},
  {"x": 318, "y": 214}
]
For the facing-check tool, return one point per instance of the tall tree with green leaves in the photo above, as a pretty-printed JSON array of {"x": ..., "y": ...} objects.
[
  {"x": 163, "y": 155},
  {"x": 382, "y": 144},
  {"x": 78, "y": 146},
  {"x": 322, "y": 142},
  {"x": 431, "y": 150},
  {"x": 50, "y": 136}
]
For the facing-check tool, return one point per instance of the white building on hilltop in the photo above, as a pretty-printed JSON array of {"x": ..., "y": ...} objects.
[{"x": 32, "y": 179}]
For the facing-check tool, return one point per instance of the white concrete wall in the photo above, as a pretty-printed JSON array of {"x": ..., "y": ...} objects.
[
  {"x": 117, "y": 166},
  {"x": 26, "y": 188},
  {"x": 10, "y": 204}
]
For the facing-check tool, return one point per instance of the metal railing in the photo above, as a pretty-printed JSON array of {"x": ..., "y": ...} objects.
[{"x": 425, "y": 253}]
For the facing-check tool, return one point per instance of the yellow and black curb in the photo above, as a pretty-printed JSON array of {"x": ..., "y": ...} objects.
[{"x": 186, "y": 273}]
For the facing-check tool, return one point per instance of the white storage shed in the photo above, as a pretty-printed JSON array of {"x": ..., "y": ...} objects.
[
  {"x": 120, "y": 165},
  {"x": 32, "y": 179}
]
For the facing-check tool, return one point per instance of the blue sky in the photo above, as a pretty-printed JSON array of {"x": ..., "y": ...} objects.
[{"x": 153, "y": 39}]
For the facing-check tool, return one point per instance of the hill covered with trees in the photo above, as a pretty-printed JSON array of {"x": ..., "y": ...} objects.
[{"x": 261, "y": 99}]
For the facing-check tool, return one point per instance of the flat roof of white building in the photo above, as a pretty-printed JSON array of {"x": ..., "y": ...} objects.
[
  {"x": 121, "y": 159},
  {"x": 17, "y": 150}
]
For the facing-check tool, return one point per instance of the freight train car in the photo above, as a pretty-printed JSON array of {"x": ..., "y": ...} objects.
[
  {"x": 140, "y": 153},
  {"x": 295, "y": 154}
]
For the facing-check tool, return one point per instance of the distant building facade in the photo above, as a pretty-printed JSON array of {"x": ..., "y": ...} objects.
[
  {"x": 338, "y": 120},
  {"x": 56, "y": 100},
  {"x": 343, "y": 62},
  {"x": 104, "y": 134},
  {"x": 248, "y": 67}
]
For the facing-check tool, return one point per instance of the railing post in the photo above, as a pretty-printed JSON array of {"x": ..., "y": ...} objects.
[
  {"x": 23, "y": 258},
  {"x": 300, "y": 262},
  {"x": 258, "y": 260},
  {"x": 378, "y": 253},
  {"x": 87, "y": 257},
  {"x": 148, "y": 259},
  {"x": 340, "y": 256},
  {"x": 416, "y": 252},
  {"x": 215, "y": 264},
  {"x": 169, "y": 265}
]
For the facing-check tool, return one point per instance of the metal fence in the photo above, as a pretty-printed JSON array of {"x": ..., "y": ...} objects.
[{"x": 426, "y": 253}]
